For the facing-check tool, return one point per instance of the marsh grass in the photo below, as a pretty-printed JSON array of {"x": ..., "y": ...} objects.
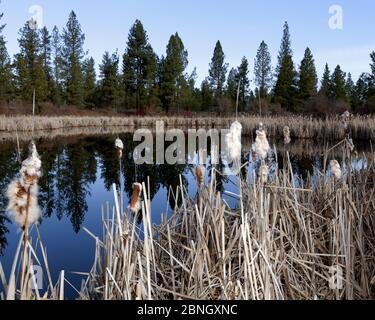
[
  {"x": 21, "y": 282},
  {"x": 281, "y": 241},
  {"x": 329, "y": 129}
]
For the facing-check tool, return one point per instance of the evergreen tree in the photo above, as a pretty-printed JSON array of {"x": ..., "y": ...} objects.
[
  {"x": 173, "y": 67},
  {"x": 30, "y": 73},
  {"x": 338, "y": 81},
  {"x": 350, "y": 89},
  {"x": 139, "y": 67},
  {"x": 308, "y": 79},
  {"x": 89, "y": 82},
  {"x": 109, "y": 83},
  {"x": 263, "y": 70},
  {"x": 206, "y": 96},
  {"x": 232, "y": 85},
  {"x": 189, "y": 96},
  {"x": 243, "y": 71},
  {"x": 6, "y": 78},
  {"x": 372, "y": 64},
  {"x": 218, "y": 70},
  {"x": 371, "y": 92},
  {"x": 46, "y": 51},
  {"x": 285, "y": 89},
  {"x": 72, "y": 54},
  {"x": 361, "y": 91},
  {"x": 326, "y": 85},
  {"x": 57, "y": 62}
]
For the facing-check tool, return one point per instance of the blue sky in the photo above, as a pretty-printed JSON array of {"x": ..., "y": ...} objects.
[{"x": 240, "y": 25}]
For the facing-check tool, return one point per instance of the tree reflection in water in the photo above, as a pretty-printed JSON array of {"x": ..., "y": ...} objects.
[
  {"x": 8, "y": 169},
  {"x": 70, "y": 168}
]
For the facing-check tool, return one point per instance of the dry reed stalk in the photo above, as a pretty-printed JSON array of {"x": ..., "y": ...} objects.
[{"x": 281, "y": 242}]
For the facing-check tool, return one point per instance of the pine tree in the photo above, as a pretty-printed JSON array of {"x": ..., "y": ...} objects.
[
  {"x": 218, "y": 70},
  {"x": 46, "y": 51},
  {"x": 206, "y": 96},
  {"x": 350, "y": 89},
  {"x": 338, "y": 81},
  {"x": 6, "y": 79},
  {"x": 57, "y": 62},
  {"x": 243, "y": 71},
  {"x": 361, "y": 90},
  {"x": 285, "y": 89},
  {"x": 326, "y": 85},
  {"x": 139, "y": 67},
  {"x": 30, "y": 73},
  {"x": 109, "y": 80},
  {"x": 263, "y": 70},
  {"x": 72, "y": 54},
  {"x": 308, "y": 79},
  {"x": 371, "y": 92},
  {"x": 173, "y": 67},
  {"x": 89, "y": 82},
  {"x": 232, "y": 85},
  {"x": 189, "y": 96}
]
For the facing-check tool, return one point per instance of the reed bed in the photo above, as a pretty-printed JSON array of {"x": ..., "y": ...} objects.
[
  {"x": 31, "y": 259},
  {"x": 61, "y": 134},
  {"x": 287, "y": 238},
  {"x": 329, "y": 129}
]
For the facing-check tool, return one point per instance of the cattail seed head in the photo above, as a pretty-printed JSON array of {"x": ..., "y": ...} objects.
[
  {"x": 233, "y": 140},
  {"x": 22, "y": 193},
  {"x": 286, "y": 132},
  {"x": 199, "y": 173},
  {"x": 335, "y": 169},
  {"x": 119, "y": 145},
  {"x": 351, "y": 145},
  {"x": 345, "y": 119},
  {"x": 135, "y": 201},
  {"x": 263, "y": 173},
  {"x": 261, "y": 146}
]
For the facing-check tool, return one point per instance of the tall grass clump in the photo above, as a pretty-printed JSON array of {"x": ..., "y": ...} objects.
[{"x": 287, "y": 238}]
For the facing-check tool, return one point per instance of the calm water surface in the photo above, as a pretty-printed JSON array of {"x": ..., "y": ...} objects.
[{"x": 78, "y": 173}]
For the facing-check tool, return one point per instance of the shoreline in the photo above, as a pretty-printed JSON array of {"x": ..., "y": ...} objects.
[{"x": 329, "y": 129}]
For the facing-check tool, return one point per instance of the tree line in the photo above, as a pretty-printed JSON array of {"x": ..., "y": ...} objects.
[{"x": 56, "y": 65}]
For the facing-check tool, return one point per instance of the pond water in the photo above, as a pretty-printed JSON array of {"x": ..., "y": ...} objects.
[{"x": 78, "y": 173}]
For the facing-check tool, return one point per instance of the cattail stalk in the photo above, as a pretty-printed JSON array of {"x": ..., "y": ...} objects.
[{"x": 119, "y": 147}]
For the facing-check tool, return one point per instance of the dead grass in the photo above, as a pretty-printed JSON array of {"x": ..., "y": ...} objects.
[
  {"x": 283, "y": 241},
  {"x": 329, "y": 129}
]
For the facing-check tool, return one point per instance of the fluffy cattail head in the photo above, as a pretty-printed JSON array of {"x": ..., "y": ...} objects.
[
  {"x": 345, "y": 118},
  {"x": 31, "y": 167},
  {"x": 286, "y": 132},
  {"x": 335, "y": 169},
  {"x": 199, "y": 173},
  {"x": 351, "y": 145},
  {"x": 263, "y": 173},
  {"x": 119, "y": 146},
  {"x": 261, "y": 146},
  {"x": 233, "y": 140},
  {"x": 346, "y": 115},
  {"x": 23, "y": 192},
  {"x": 135, "y": 201},
  {"x": 236, "y": 129}
]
